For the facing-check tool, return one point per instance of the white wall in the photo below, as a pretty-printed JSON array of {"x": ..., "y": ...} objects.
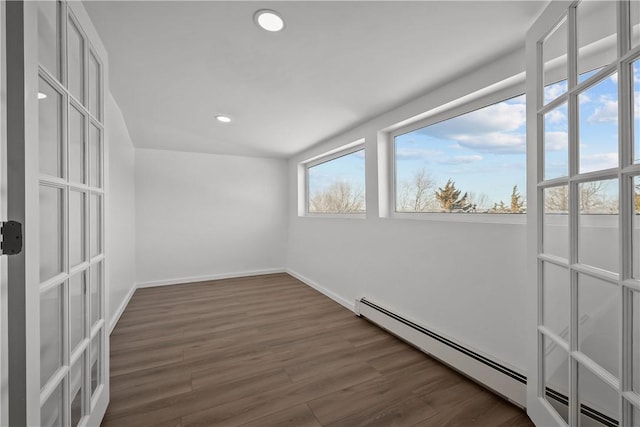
[
  {"x": 202, "y": 216},
  {"x": 463, "y": 279},
  {"x": 121, "y": 210}
]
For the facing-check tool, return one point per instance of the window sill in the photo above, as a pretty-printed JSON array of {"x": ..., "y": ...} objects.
[
  {"x": 334, "y": 216},
  {"x": 479, "y": 218}
]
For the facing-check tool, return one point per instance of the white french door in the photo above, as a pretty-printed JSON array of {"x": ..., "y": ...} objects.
[
  {"x": 583, "y": 117},
  {"x": 57, "y": 187}
]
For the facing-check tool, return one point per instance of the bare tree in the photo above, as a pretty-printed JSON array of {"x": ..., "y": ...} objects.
[
  {"x": 556, "y": 199},
  {"x": 416, "y": 195},
  {"x": 592, "y": 199},
  {"x": 338, "y": 197},
  {"x": 480, "y": 201}
]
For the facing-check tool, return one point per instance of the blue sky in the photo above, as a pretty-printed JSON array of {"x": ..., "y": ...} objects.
[
  {"x": 484, "y": 151},
  {"x": 349, "y": 168}
]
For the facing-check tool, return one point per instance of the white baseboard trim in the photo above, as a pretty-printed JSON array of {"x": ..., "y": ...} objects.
[
  {"x": 337, "y": 298},
  {"x": 121, "y": 308},
  {"x": 193, "y": 279}
]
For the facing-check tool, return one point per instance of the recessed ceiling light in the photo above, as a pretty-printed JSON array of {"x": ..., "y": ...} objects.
[
  {"x": 268, "y": 20},
  {"x": 42, "y": 95},
  {"x": 223, "y": 119}
]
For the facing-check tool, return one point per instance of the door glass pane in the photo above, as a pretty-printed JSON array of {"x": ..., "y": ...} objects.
[
  {"x": 50, "y": 130},
  {"x": 96, "y": 293},
  {"x": 636, "y": 112},
  {"x": 76, "y": 228},
  {"x": 554, "y": 60},
  {"x": 635, "y": 415},
  {"x": 95, "y": 225},
  {"x": 94, "y": 86},
  {"x": 75, "y": 61},
  {"x": 49, "y": 36},
  {"x": 96, "y": 350},
  {"x": 50, "y": 332},
  {"x": 556, "y": 143},
  {"x": 556, "y": 299},
  {"x": 635, "y": 23},
  {"x": 598, "y": 121},
  {"x": 76, "y": 387},
  {"x": 95, "y": 157},
  {"x": 556, "y": 377},
  {"x": 596, "y": 397},
  {"x": 635, "y": 347},
  {"x": 598, "y": 224},
  {"x": 555, "y": 221},
  {"x": 597, "y": 36},
  {"x": 52, "y": 410},
  {"x": 76, "y": 310},
  {"x": 635, "y": 237},
  {"x": 77, "y": 146},
  {"x": 51, "y": 228},
  {"x": 599, "y": 321}
]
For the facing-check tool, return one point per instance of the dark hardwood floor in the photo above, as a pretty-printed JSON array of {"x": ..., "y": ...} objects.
[{"x": 270, "y": 351}]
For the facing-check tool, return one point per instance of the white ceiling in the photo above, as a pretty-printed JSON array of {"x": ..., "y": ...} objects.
[{"x": 175, "y": 65}]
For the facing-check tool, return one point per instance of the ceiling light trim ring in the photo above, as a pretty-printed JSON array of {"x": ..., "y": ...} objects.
[{"x": 274, "y": 25}]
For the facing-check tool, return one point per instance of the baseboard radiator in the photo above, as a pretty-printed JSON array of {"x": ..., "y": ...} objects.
[{"x": 501, "y": 379}]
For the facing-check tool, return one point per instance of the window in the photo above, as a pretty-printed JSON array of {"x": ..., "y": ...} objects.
[
  {"x": 472, "y": 163},
  {"x": 336, "y": 183}
]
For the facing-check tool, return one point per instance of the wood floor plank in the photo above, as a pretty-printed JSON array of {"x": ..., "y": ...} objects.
[
  {"x": 402, "y": 412},
  {"x": 295, "y": 416},
  {"x": 270, "y": 351}
]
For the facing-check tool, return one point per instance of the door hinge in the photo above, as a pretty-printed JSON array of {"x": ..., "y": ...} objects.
[{"x": 11, "y": 232}]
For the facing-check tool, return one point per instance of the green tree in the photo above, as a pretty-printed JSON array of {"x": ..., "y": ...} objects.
[
  {"x": 517, "y": 203},
  {"x": 499, "y": 207},
  {"x": 450, "y": 200}
]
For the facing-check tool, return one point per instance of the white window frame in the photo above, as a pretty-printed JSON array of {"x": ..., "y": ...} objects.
[
  {"x": 501, "y": 91},
  {"x": 303, "y": 180}
]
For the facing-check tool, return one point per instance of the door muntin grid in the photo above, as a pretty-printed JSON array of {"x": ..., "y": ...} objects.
[
  {"x": 72, "y": 250},
  {"x": 596, "y": 266}
]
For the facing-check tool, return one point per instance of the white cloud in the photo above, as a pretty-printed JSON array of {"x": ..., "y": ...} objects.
[
  {"x": 554, "y": 90},
  {"x": 460, "y": 160},
  {"x": 600, "y": 161},
  {"x": 556, "y": 141},
  {"x": 501, "y": 117},
  {"x": 556, "y": 116},
  {"x": 413, "y": 153},
  {"x": 607, "y": 112},
  {"x": 494, "y": 142},
  {"x": 584, "y": 98}
]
